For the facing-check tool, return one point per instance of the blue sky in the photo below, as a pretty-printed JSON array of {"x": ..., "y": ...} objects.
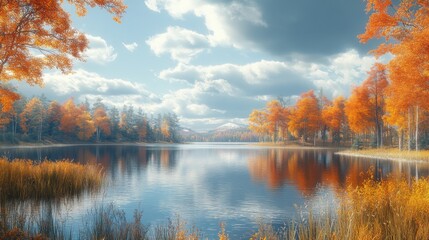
[{"x": 212, "y": 62}]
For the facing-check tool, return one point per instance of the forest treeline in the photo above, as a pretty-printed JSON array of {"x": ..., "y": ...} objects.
[
  {"x": 389, "y": 108},
  {"x": 39, "y": 119},
  {"x": 367, "y": 118}
]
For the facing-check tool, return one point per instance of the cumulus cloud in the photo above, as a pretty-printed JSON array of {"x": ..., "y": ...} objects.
[
  {"x": 221, "y": 18},
  {"x": 189, "y": 101},
  {"x": 265, "y": 78},
  {"x": 304, "y": 27},
  {"x": 180, "y": 43},
  {"x": 258, "y": 78},
  {"x": 82, "y": 85},
  {"x": 99, "y": 51},
  {"x": 130, "y": 46}
]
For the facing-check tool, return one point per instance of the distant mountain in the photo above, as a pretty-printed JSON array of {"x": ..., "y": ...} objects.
[
  {"x": 228, "y": 132},
  {"x": 229, "y": 127}
]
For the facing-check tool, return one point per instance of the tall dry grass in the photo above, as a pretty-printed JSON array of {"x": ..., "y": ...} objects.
[
  {"x": 390, "y": 209},
  {"x": 23, "y": 179}
]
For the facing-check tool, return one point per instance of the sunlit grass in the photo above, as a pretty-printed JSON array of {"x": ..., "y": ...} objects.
[
  {"x": 391, "y": 153},
  {"x": 390, "y": 209},
  {"x": 24, "y": 179}
]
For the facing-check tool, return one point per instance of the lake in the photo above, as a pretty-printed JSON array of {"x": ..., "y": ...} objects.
[{"x": 208, "y": 183}]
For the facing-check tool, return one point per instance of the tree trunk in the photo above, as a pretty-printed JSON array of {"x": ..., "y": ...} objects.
[
  {"x": 417, "y": 128},
  {"x": 400, "y": 139},
  {"x": 409, "y": 129}
]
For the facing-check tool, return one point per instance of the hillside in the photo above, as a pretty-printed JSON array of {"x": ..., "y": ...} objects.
[{"x": 228, "y": 132}]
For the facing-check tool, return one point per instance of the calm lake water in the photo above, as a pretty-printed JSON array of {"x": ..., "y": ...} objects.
[{"x": 205, "y": 184}]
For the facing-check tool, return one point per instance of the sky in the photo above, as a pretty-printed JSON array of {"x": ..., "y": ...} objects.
[{"x": 213, "y": 61}]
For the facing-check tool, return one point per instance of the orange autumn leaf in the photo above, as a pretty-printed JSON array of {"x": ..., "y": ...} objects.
[{"x": 38, "y": 34}]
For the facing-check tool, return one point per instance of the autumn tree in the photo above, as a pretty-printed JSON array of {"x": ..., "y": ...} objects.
[
  {"x": 69, "y": 113},
  {"x": 85, "y": 124},
  {"x": 54, "y": 118},
  {"x": 38, "y": 34},
  {"x": 271, "y": 121},
  {"x": 333, "y": 116},
  {"x": 33, "y": 117},
  {"x": 258, "y": 122},
  {"x": 165, "y": 129},
  {"x": 376, "y": 84},
  {"x": 305, "y": 117},
  {"x": 404, "y": 25},
  {"x": 365, "y": 107},
  {"x": 143, "y": 128},
  {"x": 101, "y": 122},
  {"x": 275, "y": 119}
]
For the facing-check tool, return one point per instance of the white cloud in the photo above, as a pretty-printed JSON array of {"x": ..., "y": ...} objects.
[
  {"x": 282, "y": 78},
  {"x": 218, "y": 17},
  {"x": 189, "y": 101},
  {"x": 130, "y": 46},
  {"x": 180, "y": 43},
  {"x": 152, "y": 5},
  {"x": 257, "y": 78},
  {"x": 82, "y": 84},
  {"x": 99, "y": 51}
]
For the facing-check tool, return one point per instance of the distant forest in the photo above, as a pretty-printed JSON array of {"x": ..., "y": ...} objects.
[
  {"x": 41, "y": 120},
  {"x": 232, "y": 135}
]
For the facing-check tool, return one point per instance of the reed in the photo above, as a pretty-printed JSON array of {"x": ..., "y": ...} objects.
[
  {"x": 23, "y": 179},
  {"x": 390, "y": 209}
]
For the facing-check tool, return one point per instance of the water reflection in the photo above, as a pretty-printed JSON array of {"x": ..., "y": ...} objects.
[
  {"x": 206, "y": 184},
  {"x": 310, "y": 169}
]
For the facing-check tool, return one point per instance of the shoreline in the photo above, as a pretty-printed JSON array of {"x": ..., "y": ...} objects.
[
  {"x": 349, "y": 153},
  {"x": 256, "y": 144},
  {"x": 48, "y": 145}
]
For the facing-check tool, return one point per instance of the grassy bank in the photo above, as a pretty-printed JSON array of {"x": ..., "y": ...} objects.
[
  {"x": 390, "y": 209},
  {"x": 24, "y": 179},
  {"x": 389, "y": 153}
]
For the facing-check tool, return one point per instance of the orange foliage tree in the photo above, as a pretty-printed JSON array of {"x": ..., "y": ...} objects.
[
  {"x": 305, "y": 117},
  {"x": 276, "y": 119},
  {"x": 271, "y": 121},
  {"x": 69, "y": 113},
  {"x": 32, "y": 117},
  {"x": 37, "y": 34},
  {"x": 334, "y": 118},
  {"x": 405, "y": 27},
  {"x": 101, "y": 122},
  {"x": 85, "y": 125},
  {"x": 365, "y": 108}
]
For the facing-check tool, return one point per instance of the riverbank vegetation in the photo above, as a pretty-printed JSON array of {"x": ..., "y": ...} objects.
[
  {"x": 26, "y": 180},
  {"x": 386, "y": 209},
  {"x": 389, "y": 108}
]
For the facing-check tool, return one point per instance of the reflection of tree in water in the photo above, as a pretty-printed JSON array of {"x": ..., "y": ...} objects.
[
  {"x": 120, "y": 159},
  {"x": 307, "y": 169},
  {"x": 164, "y": 158}
]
